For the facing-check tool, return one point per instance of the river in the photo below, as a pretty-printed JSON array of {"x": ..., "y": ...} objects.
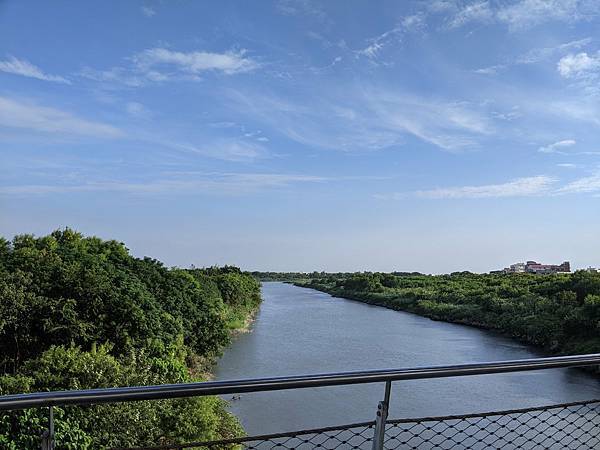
[{"x": 303, "y": 331}]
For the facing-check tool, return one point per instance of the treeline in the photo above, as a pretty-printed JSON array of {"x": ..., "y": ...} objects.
[
  {"x": 560, "y": 313},
  {"x": 308, "y": 276},
  {"x": 287, "y": 276},
  {"x": 80, "y": 312}
]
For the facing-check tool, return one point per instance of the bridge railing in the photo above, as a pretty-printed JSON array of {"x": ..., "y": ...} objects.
[{"x": 568, "y": 425}]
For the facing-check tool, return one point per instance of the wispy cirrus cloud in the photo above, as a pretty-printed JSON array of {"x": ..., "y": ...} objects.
[
  {"x": 137, "y": 110},
  {"x": 473, "y": 12},
  {"x": 375, "y": 45},
  {"x": 24, "y": 68},
  {"x": 556, "y": 147},
  {"x": 370, "y": 119},
  {"x": 520, "y": 187},
  {"x": 543, "y": 53},
  {"x": 148, "y": 11},
  {"x": 517, "y": 15},
  {"x": 491, "y": 70},
  {"x": 577, "y": 109},
  {"x": 535, "y": 55},
  {"x": 583, "y": 185},
  {"x": 524, "y": 13},
  {"x": 448, "y": 125},
  {"x": 225, "y": 149},
  {"x": 535, "y": 186},
  {"x": 314, "y": 122},
  {"x": 160, "y": 64},
  {"x": 121, "y": 76},
  {"x": 195, "y": 62},
  {"x": 31, "y": 116},
  {"x": 301, "y": 7},
  {"x": 175, "y": 182}
]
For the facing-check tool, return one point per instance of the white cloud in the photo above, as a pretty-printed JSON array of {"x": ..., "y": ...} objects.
[
  {"x": 557, "y": 146},
  {"x": 540, "y": 54},
  {"x": 315, "y": 123},
  {"x": 567, "y": 165},
  {"x": 518, "y": 14},
  {"x": 17, "y": 114},
  {"x": 175, "y": 182},
  {"x": 510, "y": 115},
  {"x": 148, "y": 11},
  {"x": 114, "y": 75},
  {"x": 525, "y": 13},
  {"x": 579, "y": 65},
  {"x": 367, "y": 120},
  {"x": 491, "y": 70},
  {"x": 582, "y": 186},
  {"x": 301, "y": 7},
  {"x": 578, "y": 109},
  {"x": 138, "y": 110},
  {"x": 474, "y": 12},
  {"x": 226, "y": 149},
  {"x": 193, "y": 63},
  {"x": 161, "y": 64},
  {"x": 521, "y": 187},
  {"x": 414, "y": 22},
  {"x": 535, "y": 55},
  {"x": 378, "y": 43},
  {"x": 408, "y": 24},
  {"x": 535, "y": 186},
  {"x": 440, "y": 6},
  {"x": 371, "y": 50},
  {"x": 450, "y": 126},
  {"x": 25, "y": 68}
]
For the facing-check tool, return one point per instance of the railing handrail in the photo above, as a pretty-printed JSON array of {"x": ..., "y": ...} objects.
[{"x": 168, "y": 391}]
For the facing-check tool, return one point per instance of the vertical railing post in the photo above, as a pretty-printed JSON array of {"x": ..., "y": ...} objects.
[
  {"x": 382, "y": 413},
  {"x": 48, "y": 435}
]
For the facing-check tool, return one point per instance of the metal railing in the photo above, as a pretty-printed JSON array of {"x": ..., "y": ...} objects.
[{"x": 373, "y": 434}]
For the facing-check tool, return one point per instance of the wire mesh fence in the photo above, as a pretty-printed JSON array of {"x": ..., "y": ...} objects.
[
  {"x": 564, "y": 426},
  {"x": 353, "y": 436}
]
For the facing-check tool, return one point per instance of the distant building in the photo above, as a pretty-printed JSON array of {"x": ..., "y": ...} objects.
[
  {"x": 592, "y": 269},
  {"x": 537, "y": 268},
  {"x": 534, "y": 267},
  {"x": 518, "y": 268}
]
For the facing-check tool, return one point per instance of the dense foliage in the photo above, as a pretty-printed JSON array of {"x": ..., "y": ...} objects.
[
  {"x": 288, "y": 276},
  {"x": 560, "y": 313},
  {"x": 80, "y": 312}
]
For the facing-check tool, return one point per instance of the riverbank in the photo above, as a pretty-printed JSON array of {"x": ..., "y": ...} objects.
[
  {"x": 203, "y": 368},
  {"x": 558, "y": 314}
]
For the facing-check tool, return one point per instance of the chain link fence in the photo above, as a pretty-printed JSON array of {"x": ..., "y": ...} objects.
[{"x": 564, "y": 426}]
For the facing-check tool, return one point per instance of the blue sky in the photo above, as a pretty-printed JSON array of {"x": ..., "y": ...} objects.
[{"x": 299, "y": 135}]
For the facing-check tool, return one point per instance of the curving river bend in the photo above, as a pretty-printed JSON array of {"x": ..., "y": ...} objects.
[{"x": 303, "y": 331}]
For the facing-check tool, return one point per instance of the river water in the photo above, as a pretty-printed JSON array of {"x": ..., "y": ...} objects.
[{"x": 303, "y": 331}]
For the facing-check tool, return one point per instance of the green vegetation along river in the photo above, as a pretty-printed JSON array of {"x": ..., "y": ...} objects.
[
  {"x": 558, "y": 313},
  {"x": 79, "y": 312}
]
